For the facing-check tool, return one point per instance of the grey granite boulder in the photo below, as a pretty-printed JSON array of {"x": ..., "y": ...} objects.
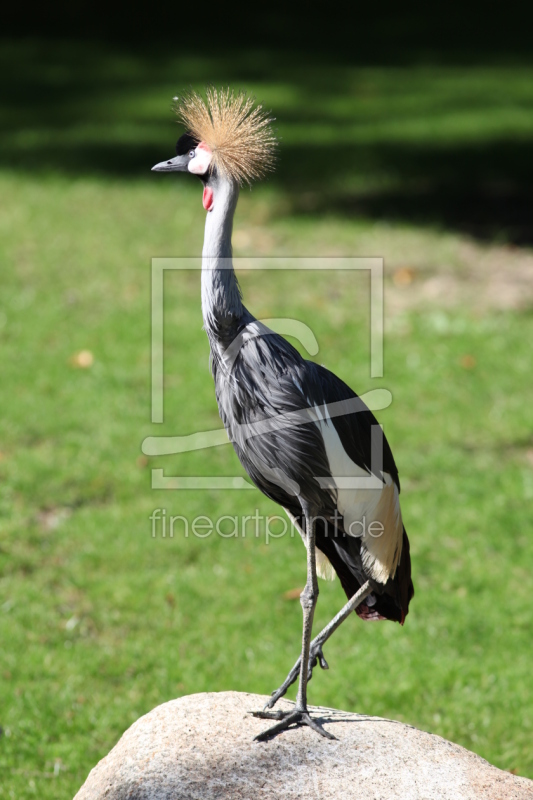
[{"x": 201, "y": 747}]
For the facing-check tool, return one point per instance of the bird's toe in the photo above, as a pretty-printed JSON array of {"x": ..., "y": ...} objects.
[{"x": 285, "y": 720}]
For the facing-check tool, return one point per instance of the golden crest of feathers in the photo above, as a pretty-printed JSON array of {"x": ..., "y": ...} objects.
[{"x": 240, "y": 135}]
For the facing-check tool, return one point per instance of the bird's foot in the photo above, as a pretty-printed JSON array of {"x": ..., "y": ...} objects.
[
  {"x": 285, "y": 720},
  {"x": 316, "y": 656}
]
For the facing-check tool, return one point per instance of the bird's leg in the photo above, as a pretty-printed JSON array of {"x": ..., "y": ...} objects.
[
  {"x": 315, "y": 650},
  {"x": 308, "y": 598}
]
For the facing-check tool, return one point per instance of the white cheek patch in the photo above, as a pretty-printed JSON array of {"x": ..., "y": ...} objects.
[{"x": 200, "y": 163}]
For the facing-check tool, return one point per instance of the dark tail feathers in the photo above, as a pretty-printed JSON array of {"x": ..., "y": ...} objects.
[{"x": 392, "y": 600}]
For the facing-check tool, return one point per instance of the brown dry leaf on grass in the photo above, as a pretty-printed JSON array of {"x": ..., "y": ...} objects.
[
  {"x": 403, "y": 276},
  {"x": 293, "y": 594},
  {"x": 468, "y": 362},
  {"x": 82, "y": 360}
]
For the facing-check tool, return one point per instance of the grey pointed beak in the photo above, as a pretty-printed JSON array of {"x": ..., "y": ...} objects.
[{"x": 176, "y": 164}]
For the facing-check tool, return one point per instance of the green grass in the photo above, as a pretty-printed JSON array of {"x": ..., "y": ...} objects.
[
  {"x": 439, "y": 144},
  {"x": 99, "y": 622}
]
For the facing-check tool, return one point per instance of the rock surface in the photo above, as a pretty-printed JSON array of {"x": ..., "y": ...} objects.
[{"x": 201, "y": 747}]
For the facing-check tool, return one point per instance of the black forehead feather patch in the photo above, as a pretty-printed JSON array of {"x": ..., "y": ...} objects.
[{"x": 185, "y": 143}]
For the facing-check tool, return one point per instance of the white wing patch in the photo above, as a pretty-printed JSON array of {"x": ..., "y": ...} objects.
[{"x": 381, "y": 543}]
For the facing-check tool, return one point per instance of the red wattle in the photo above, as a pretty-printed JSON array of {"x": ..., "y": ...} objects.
[{"x": 207, "y": 198}]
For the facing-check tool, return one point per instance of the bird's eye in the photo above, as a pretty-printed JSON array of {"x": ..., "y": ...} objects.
[{"x": 192, "y": 153}]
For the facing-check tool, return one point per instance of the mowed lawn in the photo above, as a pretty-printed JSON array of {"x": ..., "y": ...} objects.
[{"x": 99, "y": 620}]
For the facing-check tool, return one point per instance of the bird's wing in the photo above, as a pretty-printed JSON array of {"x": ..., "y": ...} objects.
[
  {"x": 355, "y": 429},
  {"x": 365, "y": 476},
  {"x": 301, "y": 433}
]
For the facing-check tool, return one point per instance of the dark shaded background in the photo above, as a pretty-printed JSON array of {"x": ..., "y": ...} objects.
[
  {"x": 363, "y": 33},
  {"x": 50, "y": 58}
]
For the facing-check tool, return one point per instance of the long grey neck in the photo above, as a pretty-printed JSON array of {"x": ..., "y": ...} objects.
[{"x": 221, "y": 298}]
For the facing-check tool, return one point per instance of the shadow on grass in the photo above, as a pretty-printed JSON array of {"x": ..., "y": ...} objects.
[
  {"x": 91, "y": 109},
  {"x": 485, "y": 191}
]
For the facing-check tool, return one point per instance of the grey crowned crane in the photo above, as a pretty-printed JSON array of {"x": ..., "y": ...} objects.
[{"x": 299, "y": 431}]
